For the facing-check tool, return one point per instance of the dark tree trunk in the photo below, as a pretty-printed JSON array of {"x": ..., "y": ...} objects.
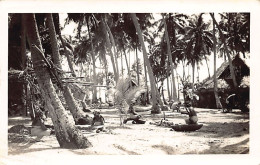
[
  {"x": 70, "y": 101},
  {"x": 67, "y": 134},
  {"x": 150, "y": 72}
]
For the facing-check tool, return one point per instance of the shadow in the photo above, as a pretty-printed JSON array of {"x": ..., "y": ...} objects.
[
  {"x": 167, "y": 149},
  {"x": 222, "y": 130},
  {"x": 25, "y": 149},
  {"x": 117, "y": 127},
  {"x": 125, "y": 150},
  {"x": 229, "y": 149}
]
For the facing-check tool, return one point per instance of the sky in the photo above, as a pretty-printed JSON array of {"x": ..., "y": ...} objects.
[{"x": 69, "y": 29}]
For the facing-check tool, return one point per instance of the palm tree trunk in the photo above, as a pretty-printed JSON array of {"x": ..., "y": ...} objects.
[
  {"x": 128, "y": 70},
  {"x": 122, "y": 68},
  {"x": 67, "y": 134},
  {"x": 207, "y": 64},
  {"x": 113, "y": 44},
  {"x": 23, "y": 44},
  {"x": 174, "y": 97},
  {"x": 193, "y": 75},
  {"x": 183, "y": 67},
  {"x": 137, "y": 67},
  {"x": 109, "y": 50},
  {"x": 218, "y": 103},
  {"x": 150, "y": 72},
  {"x": 70, "y": 101},
  {"x": 146, "y": 95},
  {"x": 168, "y": 84},
  {"x": 231, "y": 68},
  {"x": 94, "y": 66},
  {"x": 67, "y": 55},
  {"x": 198, "y": 72}
]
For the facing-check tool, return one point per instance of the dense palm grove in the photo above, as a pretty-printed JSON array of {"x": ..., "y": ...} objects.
[{"x": 99, "y": 55}]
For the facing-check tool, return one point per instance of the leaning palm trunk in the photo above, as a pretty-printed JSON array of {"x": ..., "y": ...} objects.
[
  {"x": 70, "y": 101},
  {"x": 150, "y": 72},
  {"x": 114, "y": 46},
  {"x": 174, "y": 97},
  {"x": 67, "y": 55},
  {"x": 109, "y": 50},
  {"x": 231, "y": 68},
  {"x": 67, "y": 134},
  {"x": 218, "y": 103}
]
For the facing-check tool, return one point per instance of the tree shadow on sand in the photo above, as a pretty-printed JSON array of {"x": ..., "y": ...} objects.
[{"x": 236, "y": 148}]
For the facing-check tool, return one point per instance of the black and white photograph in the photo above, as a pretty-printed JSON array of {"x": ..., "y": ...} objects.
[{"x": 128, "y": 83}]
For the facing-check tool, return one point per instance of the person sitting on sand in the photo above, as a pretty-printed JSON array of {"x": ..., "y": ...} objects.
[
  {"x": 193, "y": 119},
  {"x": 133, "y": 115}
]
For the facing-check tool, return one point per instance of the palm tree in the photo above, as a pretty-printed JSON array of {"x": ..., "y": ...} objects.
[
  {"x": 170, "y": 60},
  {"x": 151, "y": 77},
  {"x": 231, "y": 67},
  {"x": 67, "y": 134},
  {"x": 199, "y": 41},
  {"x": 218, "y": 103},
  {"x": 71, "y": 102}
]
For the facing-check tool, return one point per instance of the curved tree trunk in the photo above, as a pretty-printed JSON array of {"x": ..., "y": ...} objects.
[
  {"x": 70, "y": 101},
  {"x": 231, "y": 68},
  {"x": 67, "y": 55},
  {"x": 150, "y": 72},
  {"x": 109, "y": 50},
  {"x": 174, "y": 97},
  {"x": 218, "y": 103},
  {"x": 114, "y": 46},
  {"x": 67, "y": 134}
]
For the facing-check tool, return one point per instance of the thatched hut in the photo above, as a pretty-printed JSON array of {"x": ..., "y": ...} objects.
[{"x": 224, "y": 83}]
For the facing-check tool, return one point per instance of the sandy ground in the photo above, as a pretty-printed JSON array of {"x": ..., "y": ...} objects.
[{"x": 222, "y": 133}]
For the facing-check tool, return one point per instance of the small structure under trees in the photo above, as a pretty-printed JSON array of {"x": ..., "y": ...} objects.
[{"x": 224, "y": 83}]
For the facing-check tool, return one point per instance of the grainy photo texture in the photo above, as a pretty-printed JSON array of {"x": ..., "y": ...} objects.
[{"x": 128, "y": 84}]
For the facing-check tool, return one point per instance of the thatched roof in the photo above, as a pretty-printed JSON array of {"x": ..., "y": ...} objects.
[{"x": 209, "y": 82}]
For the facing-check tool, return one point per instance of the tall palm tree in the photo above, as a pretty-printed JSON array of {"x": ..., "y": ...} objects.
[
  {"x": 71, "y": 102},
  {"x": 67, "y": 134},
  {"x": 199, "y": 41},
  {"x": 151, "y": 77},
  {"x": 174, "y": 95},
  {"x": 218, "y": 103},
  {"x": 231, "y": 67}
]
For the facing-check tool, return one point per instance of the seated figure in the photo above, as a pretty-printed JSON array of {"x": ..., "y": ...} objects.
[
  {"x": 133, "y": 115},
  {"x": 193, "y": 119}
]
